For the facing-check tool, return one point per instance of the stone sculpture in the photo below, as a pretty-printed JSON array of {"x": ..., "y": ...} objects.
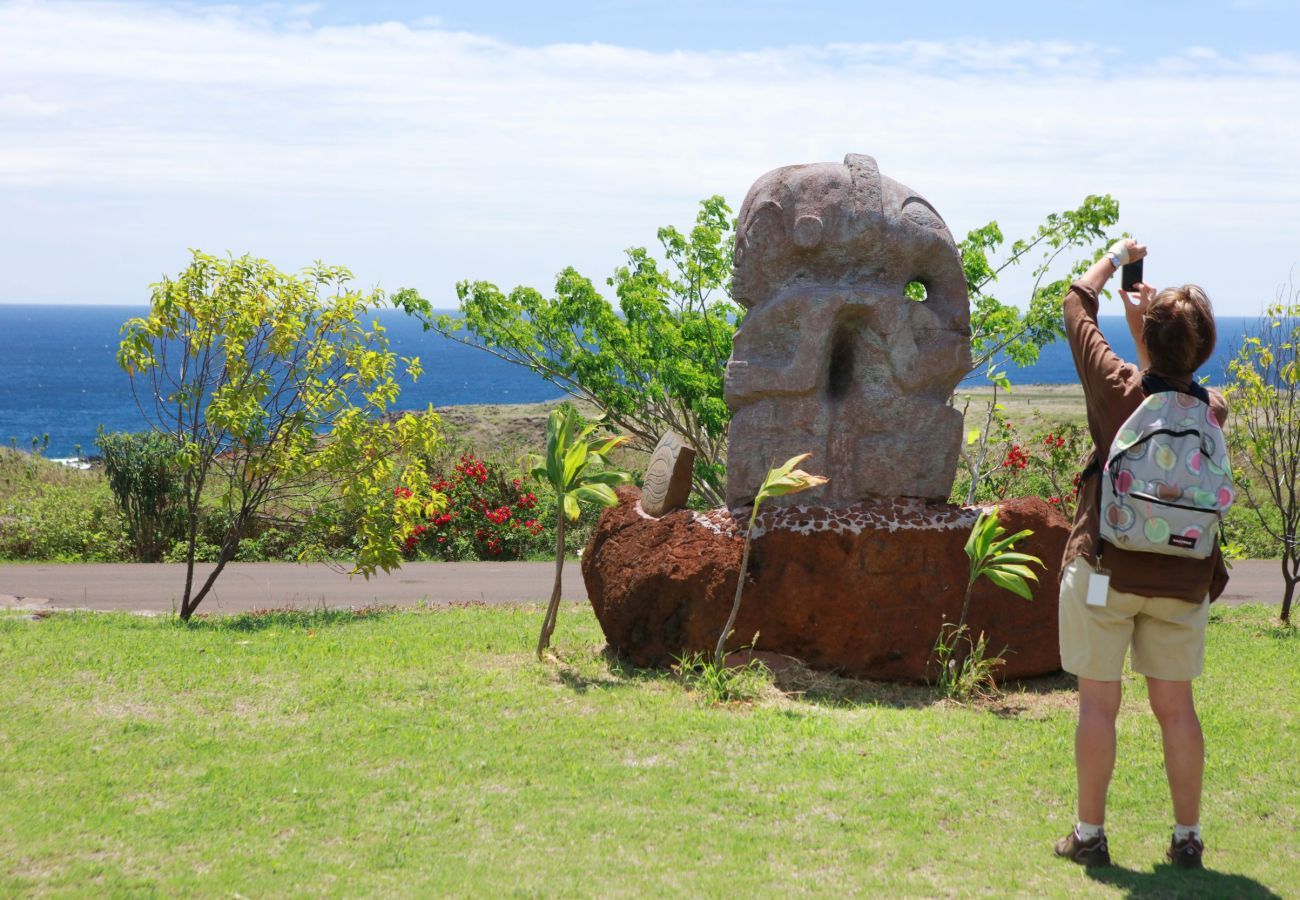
[
  {"x": 832, "y": 357},
  {"x": 667, "y": 484}
]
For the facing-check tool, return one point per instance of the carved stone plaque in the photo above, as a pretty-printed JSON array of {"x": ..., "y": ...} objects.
[{"x": 668, "y": 476}]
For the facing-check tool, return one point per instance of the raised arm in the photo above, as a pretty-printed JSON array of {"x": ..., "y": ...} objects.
[{"x": 1099, "y": 367}]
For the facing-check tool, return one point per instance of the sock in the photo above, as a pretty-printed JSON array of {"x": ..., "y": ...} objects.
[
  {"x": 1086, "y": 831},
  {"x": 1183, "y": 832}
]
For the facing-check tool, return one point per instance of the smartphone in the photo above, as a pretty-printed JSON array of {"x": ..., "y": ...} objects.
[{"x": 1131, "y": 275}]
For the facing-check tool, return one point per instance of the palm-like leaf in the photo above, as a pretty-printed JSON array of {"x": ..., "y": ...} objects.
[{"x": 571, "y": 453}]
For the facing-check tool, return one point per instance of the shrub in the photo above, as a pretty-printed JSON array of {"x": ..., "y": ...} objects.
[
  {"x": 144, "y": 476},
  {"x": 488, "y": 515}
]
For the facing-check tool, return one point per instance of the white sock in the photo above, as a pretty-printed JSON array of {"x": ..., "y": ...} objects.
[
  {"x": 1183, "y": 832},
  {"x": 1086, "y": 831}
]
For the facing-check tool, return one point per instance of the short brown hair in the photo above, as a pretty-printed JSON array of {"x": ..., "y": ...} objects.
[{"x": 1179, "y": 331}]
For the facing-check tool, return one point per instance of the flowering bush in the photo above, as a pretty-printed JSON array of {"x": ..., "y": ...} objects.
[
  {"x": 487, "y": 516},
  {"x": 1046, "y": 464}
]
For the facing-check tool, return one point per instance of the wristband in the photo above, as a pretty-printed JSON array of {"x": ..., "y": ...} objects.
[
  {"x": 1119, "y": 250},
  {"x": 1114, "y": 260}
]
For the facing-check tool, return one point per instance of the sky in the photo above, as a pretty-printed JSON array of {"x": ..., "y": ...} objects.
[{"x": 425, "y": 143}]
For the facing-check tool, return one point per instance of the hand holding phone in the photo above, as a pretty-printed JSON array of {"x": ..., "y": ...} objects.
[{"x": 1131, "y": 275}]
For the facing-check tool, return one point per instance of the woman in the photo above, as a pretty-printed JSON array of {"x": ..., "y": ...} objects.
[{"x": 1157, "y": 605}]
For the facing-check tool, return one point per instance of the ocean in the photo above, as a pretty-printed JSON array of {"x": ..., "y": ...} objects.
[{"x": 59, "y": 375}]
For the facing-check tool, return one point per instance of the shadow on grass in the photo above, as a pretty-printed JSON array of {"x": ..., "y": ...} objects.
[
  {"x": 801, "y": 684},
  {"x": 282, "y": 617},
  {"x": 610, "y": 673},
  {"x": 1172, "y": 882}
]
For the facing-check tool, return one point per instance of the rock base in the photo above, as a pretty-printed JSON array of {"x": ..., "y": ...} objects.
[{"x": 861, "y": 591}]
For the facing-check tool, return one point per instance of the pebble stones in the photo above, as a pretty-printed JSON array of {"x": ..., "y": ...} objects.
[{"x": 668, "y": 476}]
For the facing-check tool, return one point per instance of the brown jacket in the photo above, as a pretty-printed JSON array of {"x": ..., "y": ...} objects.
[{"x": 1112, "y": 390}]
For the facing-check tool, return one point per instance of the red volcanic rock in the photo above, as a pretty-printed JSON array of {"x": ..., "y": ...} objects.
[{"x": 860, "y": 590}]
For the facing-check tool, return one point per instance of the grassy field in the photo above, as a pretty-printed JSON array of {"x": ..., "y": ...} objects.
[{"x": 418, "y": 753}]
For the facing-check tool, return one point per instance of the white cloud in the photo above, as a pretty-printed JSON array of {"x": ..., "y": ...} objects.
[{"x": 569, "y": 152}]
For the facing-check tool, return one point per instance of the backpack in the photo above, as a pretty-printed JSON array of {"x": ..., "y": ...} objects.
[{"x": 1167, "y": 481}]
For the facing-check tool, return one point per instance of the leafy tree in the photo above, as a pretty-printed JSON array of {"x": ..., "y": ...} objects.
[
  {"x": 144, "y": 476},
  {"x": 654, "y": 364},
  {"x": 657, "y": 362},
  {"x": 1265, "y": 428},
  {"x": 271, "y": 389},
  {"x": 568, "y": 467},
  {"x": 1002, "y": 333},
  {"x": 784, "y": 479}
]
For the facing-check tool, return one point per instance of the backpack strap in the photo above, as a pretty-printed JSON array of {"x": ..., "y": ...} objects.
[
  {"x": 1156, "y": 384},
  {"x": 1151, "y": 384}
]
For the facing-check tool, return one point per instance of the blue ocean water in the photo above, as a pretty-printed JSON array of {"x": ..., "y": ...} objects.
[{"x": 59, "y": 375}]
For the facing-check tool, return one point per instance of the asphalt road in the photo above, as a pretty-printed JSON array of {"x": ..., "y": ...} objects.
[{"x": 243, "y": 586}]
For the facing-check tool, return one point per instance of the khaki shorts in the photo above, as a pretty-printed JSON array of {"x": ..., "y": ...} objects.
[{"x": 1167, "y": 634}]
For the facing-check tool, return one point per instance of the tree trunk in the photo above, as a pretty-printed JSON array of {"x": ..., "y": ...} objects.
[
  {"x": 228, "y": 549},
  {"x": 740, "y": 588},
  {"x": 553, "y": 608},
  {"x": 187, "y": 609},
  {"x": 1290, "y": 575}
]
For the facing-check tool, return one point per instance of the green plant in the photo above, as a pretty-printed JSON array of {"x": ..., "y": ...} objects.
[
  {"x": 654, "y": 364},
  {"x": 784, "y": 479},
  {"x": 720, "y": 683},
  {"x": 569, "y": 469},
  {"x": 1264, "y": 392},
  {"x": 144, "y": 476},
  {"x": 992, "y": 555},
  {"x": 487, "y": 515},
  {"x": 965, "y": 674},
  {"x": 272, "y": 389}
]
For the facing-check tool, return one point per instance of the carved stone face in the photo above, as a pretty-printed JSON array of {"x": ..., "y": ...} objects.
[{"x": 833, "y": 358}]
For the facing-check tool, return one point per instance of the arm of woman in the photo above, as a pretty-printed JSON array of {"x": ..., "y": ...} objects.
[
  {"x": 1098, "y": 366},
  {"x": 1135, "y": 309}
]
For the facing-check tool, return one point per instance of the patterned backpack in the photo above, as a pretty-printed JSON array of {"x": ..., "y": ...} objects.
[{"x": 1167, "y": 482}]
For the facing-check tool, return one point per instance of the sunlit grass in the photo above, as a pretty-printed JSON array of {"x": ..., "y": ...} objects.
[{"x": 413, "y": 753}]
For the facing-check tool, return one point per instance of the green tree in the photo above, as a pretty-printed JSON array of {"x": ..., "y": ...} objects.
[
  {"x": 569, "y": 467},
  {"x": 1003, "y": 334},
  {"x": 1264, "y": 392},
  {"x": 657, "y": 361},
  {"x": 144, "y": 475},
  {"x": 654, "y": 364},
  {"x": 272, "y": 390}
]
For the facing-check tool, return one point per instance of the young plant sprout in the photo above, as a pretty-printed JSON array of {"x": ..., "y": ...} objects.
[
  {"x": 568, "y": 467},
  {"x": 784, "y": 479}
]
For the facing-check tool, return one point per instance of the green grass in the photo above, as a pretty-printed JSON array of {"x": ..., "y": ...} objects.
[{"x": 413, "y": 753}]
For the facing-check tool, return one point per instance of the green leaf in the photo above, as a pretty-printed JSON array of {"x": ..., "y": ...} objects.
[
  {"x": 597, "y": 493},
  {"x": 571, "y": 507},
  {"x": 1009, "y": 582}
]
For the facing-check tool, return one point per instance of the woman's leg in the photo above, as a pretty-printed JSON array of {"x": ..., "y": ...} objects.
[
  {"x": 1180, "y": 729},
  {"x": 1094, "y": 746}
]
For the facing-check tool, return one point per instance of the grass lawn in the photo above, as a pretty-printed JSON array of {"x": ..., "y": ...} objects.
[{"x": 417, "y": 753}]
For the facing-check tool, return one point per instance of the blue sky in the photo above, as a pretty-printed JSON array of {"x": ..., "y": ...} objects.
[
  {"x": 1138, "y": 28},
  {"x": 425, "y": 143}
]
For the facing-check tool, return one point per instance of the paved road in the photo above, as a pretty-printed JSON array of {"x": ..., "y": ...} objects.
[{"x": 244, "y": 586}]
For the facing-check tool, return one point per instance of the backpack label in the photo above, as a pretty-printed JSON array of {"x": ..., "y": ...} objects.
[{"x": 1182, "y": 540}]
